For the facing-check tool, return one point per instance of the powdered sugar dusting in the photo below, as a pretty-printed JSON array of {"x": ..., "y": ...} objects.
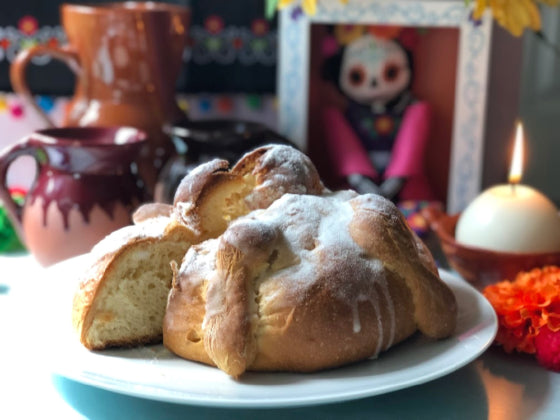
[
  {"x": 375, "y": 202},
  {"x": 283, "y": 170},
  {"x": 288, "y": 163},
  {"x": 312, "y": 233},
  {"x": 183, "y": 208},
  {"x": 199, "y": 261},
  {"x": 149, "y": 228}
]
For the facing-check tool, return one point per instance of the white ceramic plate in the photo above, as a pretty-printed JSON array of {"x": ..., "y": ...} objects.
[{"x": 154, "y": 373}]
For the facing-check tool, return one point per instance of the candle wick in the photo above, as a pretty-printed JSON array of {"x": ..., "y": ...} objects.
[{"x": 513, "y": 184}]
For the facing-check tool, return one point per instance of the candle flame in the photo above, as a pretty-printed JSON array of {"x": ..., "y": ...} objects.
[{"x": 516, "y": 168}]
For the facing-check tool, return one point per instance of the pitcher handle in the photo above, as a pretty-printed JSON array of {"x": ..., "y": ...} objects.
[
  {"x": 7, "y": 157},
  {"x": 66, "y": 54}
]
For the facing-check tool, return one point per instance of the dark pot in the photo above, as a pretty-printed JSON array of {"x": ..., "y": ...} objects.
[{"x": 203, "y": 140}]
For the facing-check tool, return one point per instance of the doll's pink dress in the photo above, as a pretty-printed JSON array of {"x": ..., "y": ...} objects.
[{"x": 349, "y": 154}]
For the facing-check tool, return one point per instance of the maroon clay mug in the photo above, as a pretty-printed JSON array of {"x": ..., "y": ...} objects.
[{"x": 86, "y": 186}]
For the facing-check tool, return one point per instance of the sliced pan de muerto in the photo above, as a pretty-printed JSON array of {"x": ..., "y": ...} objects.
[{"x": 122, "y": 297}]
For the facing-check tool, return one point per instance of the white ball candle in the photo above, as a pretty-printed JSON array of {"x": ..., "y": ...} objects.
[{"x": 510, "y": 218}]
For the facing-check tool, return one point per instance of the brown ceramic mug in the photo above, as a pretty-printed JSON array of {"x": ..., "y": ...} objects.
[
  {"x": 126, "y": 57},
  {"x": 86, "y": 186}
]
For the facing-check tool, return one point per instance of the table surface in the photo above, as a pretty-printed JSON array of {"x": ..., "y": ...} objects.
[{"x": 494, "y": 386}]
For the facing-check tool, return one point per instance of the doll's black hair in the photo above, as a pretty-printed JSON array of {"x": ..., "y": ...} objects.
[{"x": 330, "y": 70}]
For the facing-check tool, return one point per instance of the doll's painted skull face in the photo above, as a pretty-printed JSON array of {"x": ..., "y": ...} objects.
[{"x": 374, "y": 70}]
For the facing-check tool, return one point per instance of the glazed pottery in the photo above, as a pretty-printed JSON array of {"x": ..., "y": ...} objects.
[
  {"x": 86, "y": 186},
  {"x": 478, "y": 266},
  {"x": 126, "y": 57}
]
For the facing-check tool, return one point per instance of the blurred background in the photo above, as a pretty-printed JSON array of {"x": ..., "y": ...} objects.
[
  {"x": 539, "y": 105},
  {"x": 231, "y": 67}
]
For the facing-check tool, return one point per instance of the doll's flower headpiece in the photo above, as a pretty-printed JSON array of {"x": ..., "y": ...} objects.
[{"x": 344, "y": 34}]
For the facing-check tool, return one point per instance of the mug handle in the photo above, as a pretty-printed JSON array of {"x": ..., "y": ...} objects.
[
  {"x": 7, "y": 157},
  {"x": 66, "y": 54}
]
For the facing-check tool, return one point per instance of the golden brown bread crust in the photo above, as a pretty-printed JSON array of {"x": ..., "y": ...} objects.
[
  {"x": 383, "y": 232},
  {"x": 283, "y": 170},
  {"x": 318, "y": 334},
  {"x": 199, "y": 180},
  {"x": 207, "y": 199},
  {"x": 256, "y": 181},
  {"x": 196, "y": 191},
  {"x": 151, "y": 210},
  {"x": 310, "y": 283}
]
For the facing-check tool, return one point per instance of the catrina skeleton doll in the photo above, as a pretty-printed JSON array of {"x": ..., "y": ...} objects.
[{"x": 377, "y": 143}]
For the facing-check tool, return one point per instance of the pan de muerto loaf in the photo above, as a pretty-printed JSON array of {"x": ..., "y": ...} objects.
[
  {"x": 122, "y": 296},
  {"x": 311, "y": 282}
]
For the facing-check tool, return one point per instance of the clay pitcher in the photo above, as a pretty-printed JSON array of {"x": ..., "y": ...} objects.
[
  {"x": 126, "y": 57},
  {"x": 86, "y": 186}
]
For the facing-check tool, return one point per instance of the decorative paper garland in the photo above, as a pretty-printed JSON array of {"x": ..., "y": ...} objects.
[{"x": 213, "y": 42}]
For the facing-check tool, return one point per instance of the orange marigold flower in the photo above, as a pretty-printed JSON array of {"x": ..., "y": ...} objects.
[{"x": 525, "y": 306}]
